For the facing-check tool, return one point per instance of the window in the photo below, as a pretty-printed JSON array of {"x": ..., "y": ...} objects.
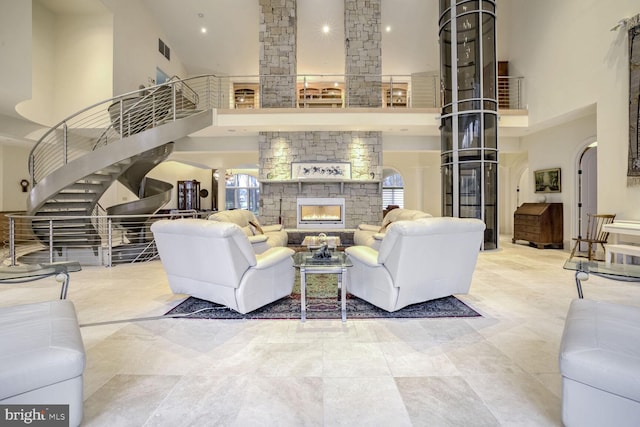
[
  {"x": 392, "y": 189},
  {"x": 161, "y": 76},
  {"x": 242, "y": 192}
]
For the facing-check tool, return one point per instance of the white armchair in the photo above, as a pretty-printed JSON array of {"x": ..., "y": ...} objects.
[
  {"x": 214, "y": 261},
  {"x": 418, "y": 261}
]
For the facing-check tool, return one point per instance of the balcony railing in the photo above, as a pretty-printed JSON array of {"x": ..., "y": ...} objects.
[{"x": 119, "y": 117}]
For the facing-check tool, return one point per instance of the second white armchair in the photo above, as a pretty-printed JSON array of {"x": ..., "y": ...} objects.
[{"x": 418, "y": 261}]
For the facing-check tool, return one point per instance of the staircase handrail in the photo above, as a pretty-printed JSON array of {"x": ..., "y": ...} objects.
[{"x": 78, "y": 133}]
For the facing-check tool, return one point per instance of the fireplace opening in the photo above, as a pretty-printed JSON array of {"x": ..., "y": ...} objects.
[{"x": 320, "y": 212}]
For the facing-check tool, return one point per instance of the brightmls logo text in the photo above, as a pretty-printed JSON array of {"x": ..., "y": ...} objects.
[{"x": 34, "y": 415}]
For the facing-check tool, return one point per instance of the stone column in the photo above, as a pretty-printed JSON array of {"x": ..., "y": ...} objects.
[
  {"x": 278, "y": 59},
  {"x": 363, "y": 49}
]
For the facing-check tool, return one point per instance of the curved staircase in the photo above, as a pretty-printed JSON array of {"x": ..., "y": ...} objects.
[{"x": 120, "y": 139}]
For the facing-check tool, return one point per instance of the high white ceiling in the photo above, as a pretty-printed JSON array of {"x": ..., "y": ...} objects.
[{"x": 230, "y": 45}]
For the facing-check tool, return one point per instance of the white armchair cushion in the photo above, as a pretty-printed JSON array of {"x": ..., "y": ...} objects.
[
  {"x": 418, "y": 261},
  {"x": 275, "y": 234},
  {"x": 372, "y": 235}
]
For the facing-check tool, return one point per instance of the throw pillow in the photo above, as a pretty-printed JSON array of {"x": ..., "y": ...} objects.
[
  {"x": 384, "y": 227},
  {"x": 256, "y": 227}
]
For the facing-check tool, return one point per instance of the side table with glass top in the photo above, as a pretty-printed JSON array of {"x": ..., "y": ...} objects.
[
  {"x": 337, "y": 264},
  {"x": 621, "y": 272},
  {"x": 32, "y": 272}
]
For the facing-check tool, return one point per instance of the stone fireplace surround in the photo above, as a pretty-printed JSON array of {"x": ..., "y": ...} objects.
[{"x": 279, "y": 193}]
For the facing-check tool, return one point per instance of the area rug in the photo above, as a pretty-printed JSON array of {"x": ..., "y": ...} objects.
[{"x": 322, "y": 303}]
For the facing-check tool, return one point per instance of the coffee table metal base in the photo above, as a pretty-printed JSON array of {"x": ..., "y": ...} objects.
[{"x": 340, "y": 271}]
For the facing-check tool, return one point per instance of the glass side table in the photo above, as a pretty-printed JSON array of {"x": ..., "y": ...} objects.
[
  {"x": 337, "y": 264},
  {"x": 622, "y": 272},
  {"x": 31, "y": 272}
]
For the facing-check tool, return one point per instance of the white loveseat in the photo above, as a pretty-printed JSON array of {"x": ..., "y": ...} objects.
[
  {"x": 371, "y": 235},
  {"x": 418, "y": 261},
  {"x": 262, "y": 237},
  {"x": 214, "y": 261}
]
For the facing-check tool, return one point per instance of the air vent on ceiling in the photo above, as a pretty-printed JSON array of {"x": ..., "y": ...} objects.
[{"x": 164, "y": 49}]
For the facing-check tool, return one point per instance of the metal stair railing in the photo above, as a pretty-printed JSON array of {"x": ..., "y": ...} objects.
[
  {"x": 119, "y": 117},
  {"x": 116, "y": 244}
]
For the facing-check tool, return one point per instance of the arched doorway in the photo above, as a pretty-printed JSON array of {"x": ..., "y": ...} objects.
[{"x": 587, "y": 192}]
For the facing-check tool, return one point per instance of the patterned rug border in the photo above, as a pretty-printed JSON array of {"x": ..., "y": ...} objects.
[{"x": 324, "y": 308}]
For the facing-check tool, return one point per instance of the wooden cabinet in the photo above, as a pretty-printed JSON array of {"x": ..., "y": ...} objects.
[
  {"x": 245, "y": 95},
  {"x": 539, "y": 223},
  {"x": 188, "y": 195}
]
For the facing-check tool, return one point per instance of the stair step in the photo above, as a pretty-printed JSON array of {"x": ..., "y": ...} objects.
[
  {"x": 74, "y": 196},
  {"x": 60, "y": 213},
  {"x": 67, "y": 205},
  {"x": 96, "y": 177},
  {"x": 110, "y": 170},
  {"x": 84, "y": 186}
]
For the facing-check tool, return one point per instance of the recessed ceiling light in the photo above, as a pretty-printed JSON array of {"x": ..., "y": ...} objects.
[
  {"x": 200, "y": 15},
  {"x": 326, "y": 29},
  {"x": 203, "y": 30},
  {"x": 388, "y": 29}
]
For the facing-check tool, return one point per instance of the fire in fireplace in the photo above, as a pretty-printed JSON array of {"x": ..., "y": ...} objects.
[{"x": 314, "y": 212}]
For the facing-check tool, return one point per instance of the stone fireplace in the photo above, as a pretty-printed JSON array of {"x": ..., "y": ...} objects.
[{"x": 279, "y": 193}]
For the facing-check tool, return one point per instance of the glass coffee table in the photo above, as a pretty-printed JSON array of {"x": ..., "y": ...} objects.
[
  {"x": 622, "y": 272},
  {"x": 337, "y": 264},
  {"x": 31, "y": 272}
]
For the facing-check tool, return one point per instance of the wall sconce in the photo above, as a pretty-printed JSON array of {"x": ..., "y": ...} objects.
[{"x": 24, "y": 184}]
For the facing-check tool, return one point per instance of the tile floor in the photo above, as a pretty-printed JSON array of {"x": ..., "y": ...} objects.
[{"x": 497, "y": 370}]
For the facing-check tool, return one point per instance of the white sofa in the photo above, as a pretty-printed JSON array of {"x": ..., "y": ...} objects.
[
  {"x": 371, "y": 235},
  {"x": 42, "y": 357},
  {"x": 418, "y": 261},
  {"x": 262, "y": 237},
  {"x": 600, "y": 365},
  {"x": 214, "y": 261}
]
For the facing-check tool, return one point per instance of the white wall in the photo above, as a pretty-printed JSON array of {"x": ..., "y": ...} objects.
[
  {"x": 135, "y": 47},
  {"x": 560, "y": 147},
  {"x": 15, "y": 51},
  {"x": 571, "y": 59},
  {"x": 72, "y": 64},
  {"x": 13, "y": 169}
]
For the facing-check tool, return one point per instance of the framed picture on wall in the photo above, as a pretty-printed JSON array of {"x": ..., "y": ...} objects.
[
  {"x": 547, "y": 180},
  {"x": 320, "y": 170}
]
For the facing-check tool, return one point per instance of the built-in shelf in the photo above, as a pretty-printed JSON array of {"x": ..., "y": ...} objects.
[
  {"x": 245, "y": 95},
  {"x": 341, "y": 182}
]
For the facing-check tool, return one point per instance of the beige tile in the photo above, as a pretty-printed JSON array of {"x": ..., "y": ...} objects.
[
  {"x": 363, "y": 401},
  {"x": 499, "y": 369},
  {"x": 127, "y": 400},
  {"x": 443, "y": 401},
  {"x": 241, "y": 401}
]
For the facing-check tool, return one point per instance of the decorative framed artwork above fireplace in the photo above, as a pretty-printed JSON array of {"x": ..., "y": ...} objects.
[{"x": 321, "y": 170}]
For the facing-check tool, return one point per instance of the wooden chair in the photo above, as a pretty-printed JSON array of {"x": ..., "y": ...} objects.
[{"x": 594, "y": 235}]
